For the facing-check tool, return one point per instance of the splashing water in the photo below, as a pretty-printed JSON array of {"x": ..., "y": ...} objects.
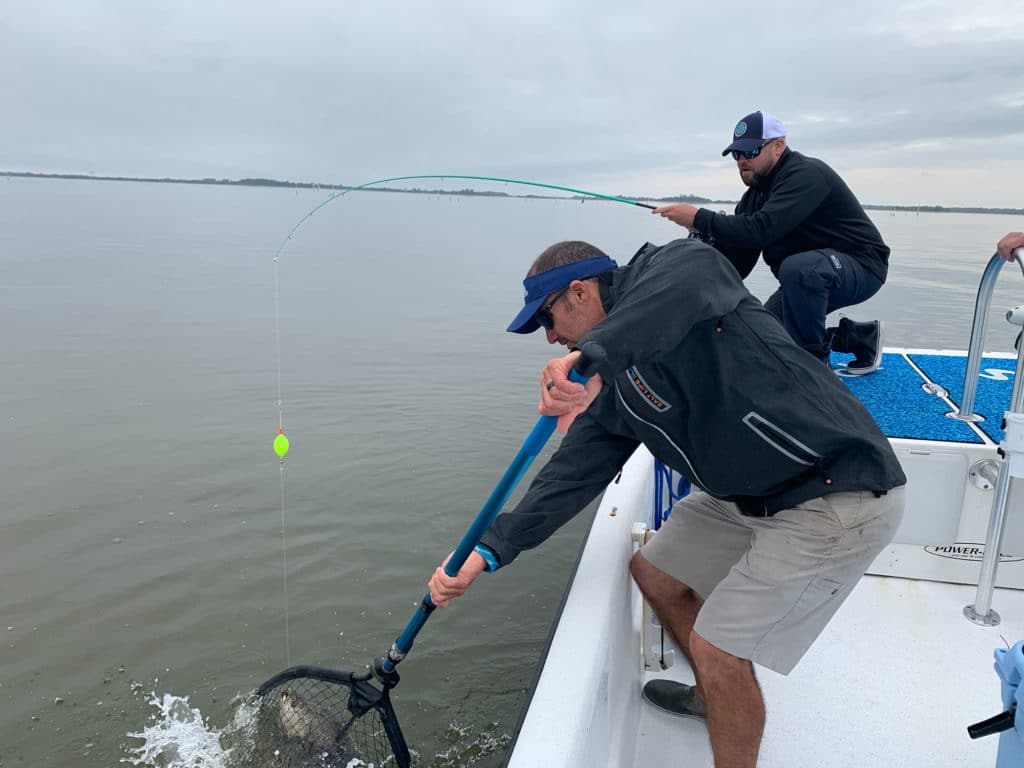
[{"x": 179, "y": 736}]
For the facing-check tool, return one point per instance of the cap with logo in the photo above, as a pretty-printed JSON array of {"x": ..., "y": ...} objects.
[{"x": 753, "y": 131}]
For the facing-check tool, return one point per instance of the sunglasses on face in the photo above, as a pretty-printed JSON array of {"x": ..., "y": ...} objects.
[
  {"x": 543, "y": 315},
  {"x": 737, "y": 154}
]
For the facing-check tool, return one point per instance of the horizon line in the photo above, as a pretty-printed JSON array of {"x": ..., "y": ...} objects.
[{"x": 268, "y": 182}]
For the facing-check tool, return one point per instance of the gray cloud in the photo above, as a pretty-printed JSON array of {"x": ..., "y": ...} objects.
[{"x": 636, "y": 97}]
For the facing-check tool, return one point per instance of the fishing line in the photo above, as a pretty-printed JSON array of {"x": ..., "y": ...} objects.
[
  {"x": 281, "y": 442},
  {"x": 281, "y": 448}
]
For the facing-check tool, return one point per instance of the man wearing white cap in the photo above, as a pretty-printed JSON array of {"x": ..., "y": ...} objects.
[{"x": 813, "y": 234}]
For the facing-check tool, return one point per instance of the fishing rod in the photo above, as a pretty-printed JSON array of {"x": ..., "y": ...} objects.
[{"x": 523, "y": 182}]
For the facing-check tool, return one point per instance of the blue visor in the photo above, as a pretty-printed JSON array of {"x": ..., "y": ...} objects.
[{"x": 542, "y": 284}]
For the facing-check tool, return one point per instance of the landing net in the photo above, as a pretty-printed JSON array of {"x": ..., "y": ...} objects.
[{"x": 311, "y": 717}]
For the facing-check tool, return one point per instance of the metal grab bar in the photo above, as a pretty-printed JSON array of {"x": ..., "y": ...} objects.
[
  {"x": 974, "y": 351},
  {"x": 981, "y": 611}
]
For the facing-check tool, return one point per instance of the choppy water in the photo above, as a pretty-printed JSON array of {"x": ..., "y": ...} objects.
[{"x": 140, "y": 530}]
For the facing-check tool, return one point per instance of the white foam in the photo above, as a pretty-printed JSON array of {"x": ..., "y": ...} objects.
[{"x": 180, "y": 737}]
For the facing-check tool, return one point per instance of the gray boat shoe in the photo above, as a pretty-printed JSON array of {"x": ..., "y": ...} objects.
[{"x": 674, "y": 698}]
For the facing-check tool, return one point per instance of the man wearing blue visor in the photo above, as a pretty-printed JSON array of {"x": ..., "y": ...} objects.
[
  {"x": 802, "y": 218},
  {"x": 798, "y": 488}
]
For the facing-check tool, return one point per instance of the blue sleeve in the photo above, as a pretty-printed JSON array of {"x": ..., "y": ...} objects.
[{"x": 490, "y": 559}]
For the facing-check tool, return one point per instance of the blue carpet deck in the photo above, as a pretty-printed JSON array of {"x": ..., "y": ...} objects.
[
  {"x": 995, "y": 385},
  {"x": 894, "y": 396}
]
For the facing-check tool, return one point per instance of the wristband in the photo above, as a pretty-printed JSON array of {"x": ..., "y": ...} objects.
[{"x": 489, "y": 557}]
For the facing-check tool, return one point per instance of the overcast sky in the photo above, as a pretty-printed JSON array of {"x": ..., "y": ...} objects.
[{"x": 912, "y": 102}]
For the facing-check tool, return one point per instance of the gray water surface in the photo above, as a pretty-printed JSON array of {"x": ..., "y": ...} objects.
[{"x": 141, "y": 524}]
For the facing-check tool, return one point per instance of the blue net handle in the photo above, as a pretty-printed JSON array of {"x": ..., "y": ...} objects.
[{"x": 592, "y": 356}]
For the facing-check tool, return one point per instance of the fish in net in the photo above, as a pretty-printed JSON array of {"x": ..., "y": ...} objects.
[{"x": 312, "y": 717}]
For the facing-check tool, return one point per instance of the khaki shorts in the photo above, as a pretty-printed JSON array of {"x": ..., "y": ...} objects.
[{"x": 771, "y": 584}]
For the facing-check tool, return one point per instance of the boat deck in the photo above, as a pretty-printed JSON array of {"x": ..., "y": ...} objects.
[
  {"x": 894, "y": 681},
  {"x": 913, "y": 390}
]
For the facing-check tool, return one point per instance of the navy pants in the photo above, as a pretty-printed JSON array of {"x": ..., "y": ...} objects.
[{"x": 812, "y": 284}]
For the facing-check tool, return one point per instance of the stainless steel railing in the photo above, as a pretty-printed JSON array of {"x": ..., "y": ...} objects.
[
  {"x": 981, "y": 307},
  {"x": 981, "y": 611}
]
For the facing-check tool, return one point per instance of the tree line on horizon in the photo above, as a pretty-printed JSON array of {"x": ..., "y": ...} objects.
[{"x": 263, "y": 182}]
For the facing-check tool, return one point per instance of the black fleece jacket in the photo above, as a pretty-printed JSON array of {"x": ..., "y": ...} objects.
[
  {"x": 700, "y": 373},
  {"x": 802, "y": 205}
]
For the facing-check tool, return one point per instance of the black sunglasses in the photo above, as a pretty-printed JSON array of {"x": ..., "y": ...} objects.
[
  {"x": 543, "y": 316},
  {"x": 737, "y": 154}
]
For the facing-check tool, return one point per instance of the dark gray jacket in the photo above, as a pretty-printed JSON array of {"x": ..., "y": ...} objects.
[{"x": 713, "y": 385}]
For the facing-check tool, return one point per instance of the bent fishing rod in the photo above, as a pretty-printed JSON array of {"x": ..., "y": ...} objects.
[{"x": 334, "y": 196}]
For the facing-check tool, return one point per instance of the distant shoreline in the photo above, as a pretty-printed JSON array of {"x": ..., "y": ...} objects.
[{"x": 258, "y": 182}]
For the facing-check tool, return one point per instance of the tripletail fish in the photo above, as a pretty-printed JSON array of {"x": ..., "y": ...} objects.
[{"x": 315, "y": 727}]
